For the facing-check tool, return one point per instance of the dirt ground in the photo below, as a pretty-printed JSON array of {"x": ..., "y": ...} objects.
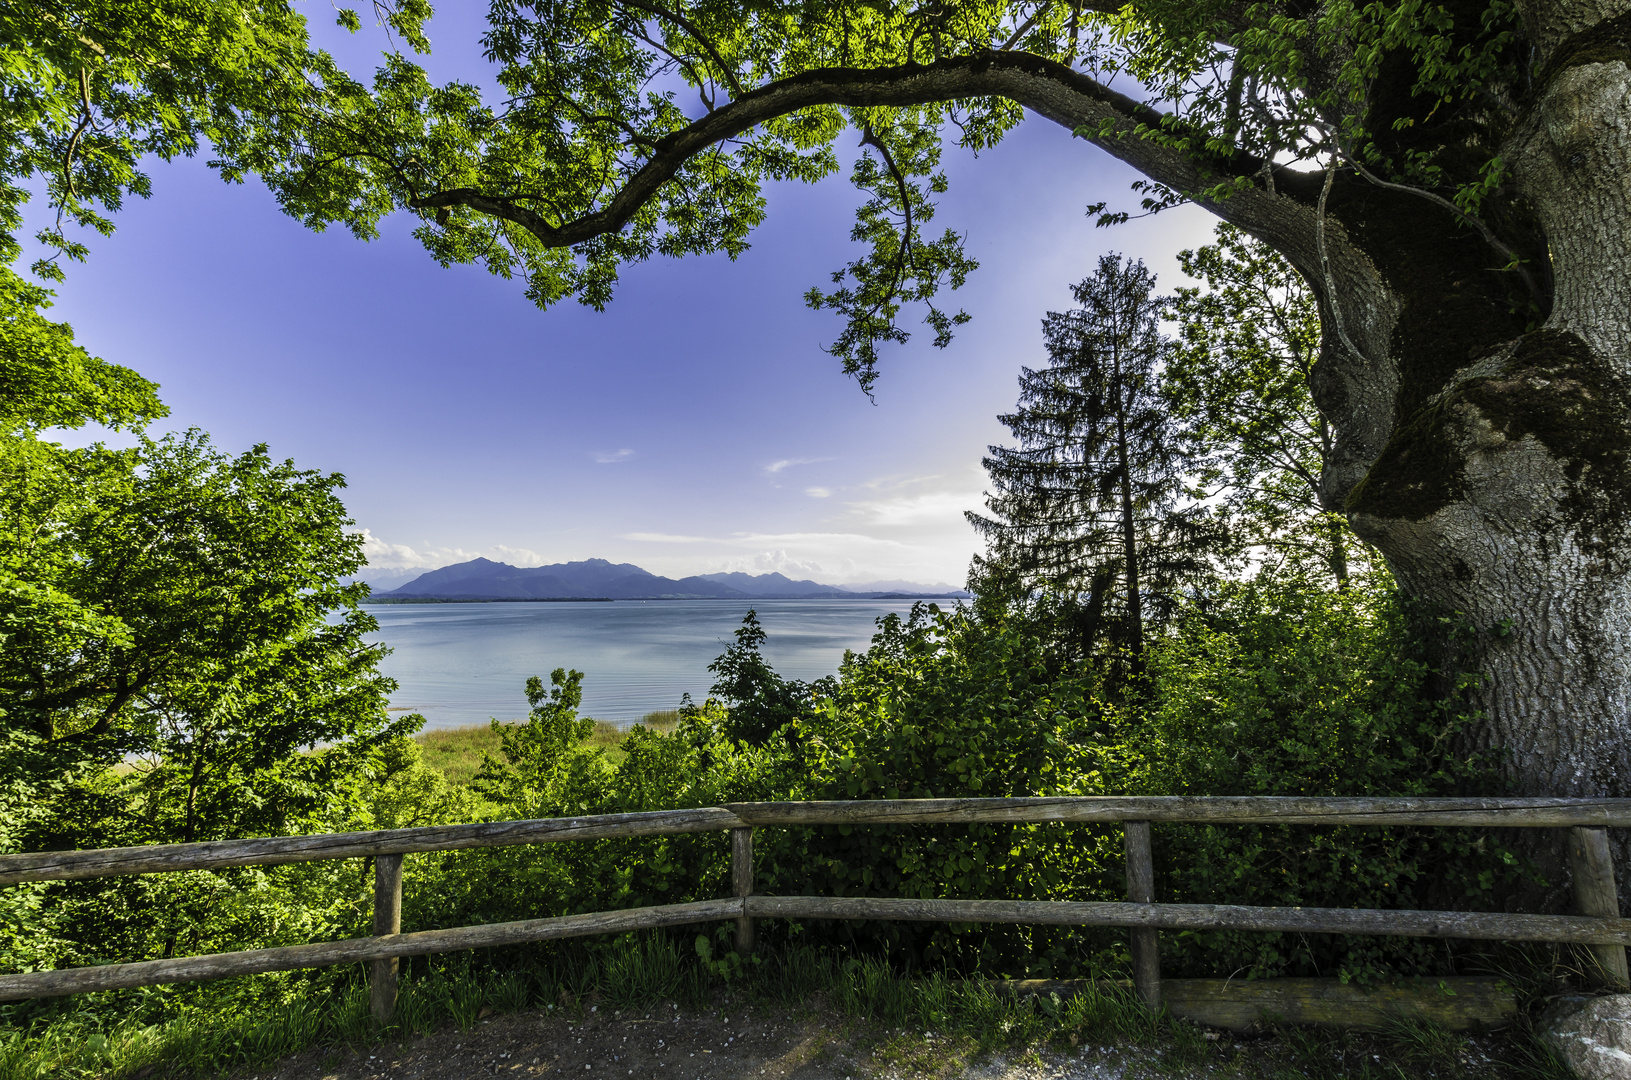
[
  {"x": 738, "y": 1042},
  {"x": 723, "y": 1043},
  {"x": 717, "y": 1044}
]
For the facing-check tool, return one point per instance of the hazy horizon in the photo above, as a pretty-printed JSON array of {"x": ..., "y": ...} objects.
[{"x": 402, "y": 575}]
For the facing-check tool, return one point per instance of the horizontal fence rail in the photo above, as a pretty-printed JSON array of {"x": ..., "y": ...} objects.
[
  {"x": 1599, "y": 926},
  {"x": 278, "y": 850},
  {"x": 1169, "y": 809},
  {"x": 324, "y": 954},
  {"x": 1198, "y": 810}
]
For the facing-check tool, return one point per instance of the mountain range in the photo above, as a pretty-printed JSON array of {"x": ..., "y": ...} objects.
[{"x": 598, "y": 579}]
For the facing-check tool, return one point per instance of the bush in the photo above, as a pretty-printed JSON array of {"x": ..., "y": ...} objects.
[{"x": 1286, "y": 689}]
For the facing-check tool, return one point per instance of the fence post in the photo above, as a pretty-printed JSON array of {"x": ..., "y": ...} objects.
[
  {"x": 387, "y": 920},
  {"x": 742, "y": 881},
  {"x": 1141, "y": 890},
  {"x": 1592, "y": 867}
]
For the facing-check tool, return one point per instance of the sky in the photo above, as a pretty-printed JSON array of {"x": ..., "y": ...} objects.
[{"x": 694, "y": 426}]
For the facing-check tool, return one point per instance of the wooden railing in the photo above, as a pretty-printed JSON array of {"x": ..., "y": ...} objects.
[{"x": 1598, "y": 925}]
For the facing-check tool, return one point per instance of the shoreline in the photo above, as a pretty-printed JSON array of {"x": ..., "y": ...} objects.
[{"x": 642, "y": 599}]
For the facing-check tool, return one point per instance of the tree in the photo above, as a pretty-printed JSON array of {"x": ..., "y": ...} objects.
[
  {"x": 94, "y": 88},
  {"x": 169, "y": 601},
  {"x": 538, "y": 756},
  {"x": 1092, "y": 502},
  {"x": 1448, "y": 177},
  {"x": 761, "y": 702},
  {"x": 1239, "y": 377},
  {"x": 209, "y": 639},
  {"x": 171, "y": 610}
]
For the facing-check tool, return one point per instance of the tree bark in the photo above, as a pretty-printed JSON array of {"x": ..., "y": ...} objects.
[{"x": 1488, "y": 458}]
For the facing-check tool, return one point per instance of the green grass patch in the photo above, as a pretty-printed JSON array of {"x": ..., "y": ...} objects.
[{"x": 456, "y": 753}]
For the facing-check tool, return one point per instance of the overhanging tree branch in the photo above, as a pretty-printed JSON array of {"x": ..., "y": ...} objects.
[{"x": 1047, "y": 87}]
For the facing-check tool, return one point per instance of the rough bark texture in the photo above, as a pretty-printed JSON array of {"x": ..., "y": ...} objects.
[{"x": 1489, "y": 458}]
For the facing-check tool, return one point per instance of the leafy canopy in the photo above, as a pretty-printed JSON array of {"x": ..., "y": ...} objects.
[
  {"x": 1239, "y": 379},
  {"x": 604, "y": 132},
  {"x": 628, "y": 128}
]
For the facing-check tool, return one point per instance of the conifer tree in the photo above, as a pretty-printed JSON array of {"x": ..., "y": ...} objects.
[{"x": 1093, "y": 503}]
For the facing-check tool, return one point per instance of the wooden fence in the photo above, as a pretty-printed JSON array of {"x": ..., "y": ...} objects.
[{"x": 1598, "y": 925}]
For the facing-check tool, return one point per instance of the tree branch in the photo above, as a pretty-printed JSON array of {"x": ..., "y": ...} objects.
[
  {"x": 696, "y": 35},
  {"x": 1047, "y": 87}
]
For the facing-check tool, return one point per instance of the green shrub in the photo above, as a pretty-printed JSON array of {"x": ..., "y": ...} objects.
[{"x": 1285, "y": 689}]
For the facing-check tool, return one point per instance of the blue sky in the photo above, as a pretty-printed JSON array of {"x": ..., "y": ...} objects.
[{"x": 695, "y": 425}]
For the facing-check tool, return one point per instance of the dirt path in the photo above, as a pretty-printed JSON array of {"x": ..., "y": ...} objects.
[
  {"x": 601, "y": 1045},
  {"x": 733, "y": 1041},
  {"x": 725, "y": 1043}
]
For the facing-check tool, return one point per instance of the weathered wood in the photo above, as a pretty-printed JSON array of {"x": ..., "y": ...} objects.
[
  {"x": 226, "y": 965},
  {"x": 742, "y": 882},
  {"x": 1219, "y": 810},
  {"x": 1141, "y": 890},
  {"x": 1490, "y": 926},
  {"x": 1458, "y": 1002},
  {"x": 272, "y": 851},
  {"x": 1591, "y": 865},
  {"x": 387, "y": 921}
]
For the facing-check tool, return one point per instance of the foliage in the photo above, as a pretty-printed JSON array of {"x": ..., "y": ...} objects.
[
  {"x": 1279, "y": 687},
  {"x": 1283, "y": 688},
  {"x": 760, "y": 701},
  {"x": 1239, "y": 379},
  {"x": 538, "y": 755},
  {"x": 176, "y": 642},
  {"x": 949, "y": 704},
  {"x": 1094, "y": 502},
  {"x": 610, "y": 131},
  {"x": 94, "y": 87},
  {"x": 47, "y": 381}
]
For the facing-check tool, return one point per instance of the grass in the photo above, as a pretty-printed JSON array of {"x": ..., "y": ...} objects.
[
  {"x": 923, "y": 1026},
  {"x": 914, "y": 1026},
  {"x": 457, "y": 752}
]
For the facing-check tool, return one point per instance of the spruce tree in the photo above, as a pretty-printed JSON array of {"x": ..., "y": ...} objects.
[{"x": 1093, "y": 503}]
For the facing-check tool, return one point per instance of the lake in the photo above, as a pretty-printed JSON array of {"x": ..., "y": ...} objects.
[{"x": 461, "y": 664}]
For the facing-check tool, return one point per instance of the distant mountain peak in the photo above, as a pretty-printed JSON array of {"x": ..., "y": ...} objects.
[{"x": 485, "y": 579}]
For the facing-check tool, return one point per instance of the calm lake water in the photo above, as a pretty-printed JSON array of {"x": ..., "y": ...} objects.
[{"x": 462, "y": 664}]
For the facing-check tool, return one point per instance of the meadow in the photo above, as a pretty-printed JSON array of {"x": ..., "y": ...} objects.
[{"x": 457, "y": 752}]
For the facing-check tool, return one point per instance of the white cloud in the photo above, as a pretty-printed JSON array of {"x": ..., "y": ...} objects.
[
  {"x": 612, "y": 457},
  {"x": 818, "y": 492},
  {"x": 916, "y": 502},
  {"x": 665, "y": 538},
  {"x": 918, "y": 508},
  {"x": 382, "y": 554},
  {"x": 517, "y": 556},
  {"x": 777, "y": 466}
]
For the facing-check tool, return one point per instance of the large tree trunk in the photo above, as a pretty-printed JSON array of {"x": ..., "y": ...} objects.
[{"x": 1485, "y": 425}]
